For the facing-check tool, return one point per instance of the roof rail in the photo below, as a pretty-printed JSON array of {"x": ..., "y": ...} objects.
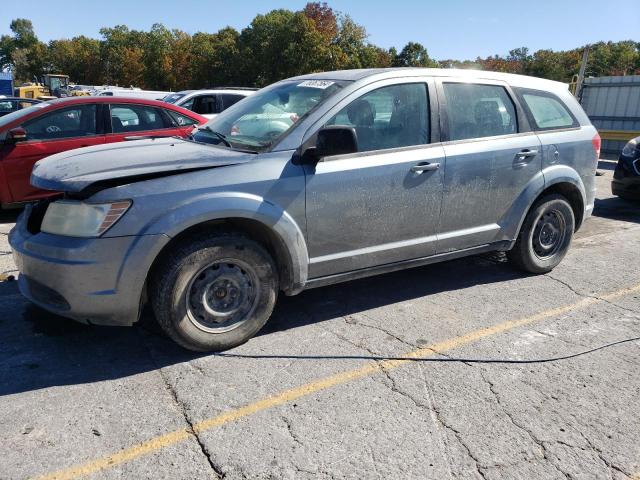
[{"x": 233, "y": 88}]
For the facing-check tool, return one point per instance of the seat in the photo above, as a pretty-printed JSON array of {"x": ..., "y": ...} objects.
[
  {"x": 407, "y": 124},
  {"x": 116, "y": 125},
  {"x": 362, "y": 116}
]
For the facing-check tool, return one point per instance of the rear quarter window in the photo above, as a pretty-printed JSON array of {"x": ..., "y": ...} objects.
[{"x": 546, "y": 111}]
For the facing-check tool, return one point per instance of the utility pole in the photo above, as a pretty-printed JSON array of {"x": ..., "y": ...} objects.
[{"x": 583, "y": 67}]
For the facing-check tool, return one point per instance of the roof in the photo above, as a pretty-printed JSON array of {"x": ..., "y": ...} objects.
[
  {"x": 107, "y": 99},
  {"x": 355, "y": 75}
]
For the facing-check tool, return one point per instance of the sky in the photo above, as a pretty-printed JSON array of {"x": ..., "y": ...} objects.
[{"x": 450, "y": 29}]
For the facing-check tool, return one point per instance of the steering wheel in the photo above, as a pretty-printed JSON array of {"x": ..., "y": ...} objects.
[{"x": 53, "y": 129}]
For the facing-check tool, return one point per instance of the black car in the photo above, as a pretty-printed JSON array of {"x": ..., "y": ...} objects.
[
  {"x": 12, "y": 104},
  {"x": 626, "y": 177}
]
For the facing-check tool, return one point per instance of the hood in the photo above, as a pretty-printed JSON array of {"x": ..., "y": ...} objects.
[{"x": 125, "y": 162}]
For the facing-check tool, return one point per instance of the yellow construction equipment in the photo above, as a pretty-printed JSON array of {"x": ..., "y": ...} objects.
[{"x": 51, "y": 86}]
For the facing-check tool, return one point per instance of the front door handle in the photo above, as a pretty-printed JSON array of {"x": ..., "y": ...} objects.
[
  {"x": 523, "y": 155},
  {"x": 425, "y": 167}
]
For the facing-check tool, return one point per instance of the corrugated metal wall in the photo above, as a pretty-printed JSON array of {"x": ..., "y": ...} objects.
[{"x": 612, "y": 103}]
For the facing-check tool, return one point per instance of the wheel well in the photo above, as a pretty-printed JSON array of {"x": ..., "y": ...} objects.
[
  {"x": 253, "y": 229},
  {"x": 573, "y": 196}
]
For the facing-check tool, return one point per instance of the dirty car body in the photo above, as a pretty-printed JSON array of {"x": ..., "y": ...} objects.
[{"x": 386, "y": 169}]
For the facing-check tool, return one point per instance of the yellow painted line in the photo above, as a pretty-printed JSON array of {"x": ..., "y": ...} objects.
[{"x": 341, "y": 378}]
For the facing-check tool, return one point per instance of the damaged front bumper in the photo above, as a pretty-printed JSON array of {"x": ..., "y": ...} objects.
[{"x": 91, "y": 280}]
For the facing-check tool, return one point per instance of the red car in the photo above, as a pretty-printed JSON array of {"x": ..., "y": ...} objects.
[{"x": 33, "y": 133}]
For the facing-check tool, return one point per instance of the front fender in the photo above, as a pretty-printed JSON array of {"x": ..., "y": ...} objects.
[
  {"x": 222, "y": 205},
  {"x": 555, "y": 174}
]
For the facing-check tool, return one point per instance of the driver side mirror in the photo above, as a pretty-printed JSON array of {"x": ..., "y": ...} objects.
[
  {"x": 336, "y": 140},
  {"x": 17, "y": 134}
]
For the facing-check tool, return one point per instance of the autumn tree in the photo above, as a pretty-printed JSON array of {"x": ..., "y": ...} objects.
[{"x": 324, "y": 19}]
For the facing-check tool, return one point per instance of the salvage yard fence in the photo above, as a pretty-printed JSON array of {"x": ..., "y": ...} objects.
[{"x": 613, "y": 105}]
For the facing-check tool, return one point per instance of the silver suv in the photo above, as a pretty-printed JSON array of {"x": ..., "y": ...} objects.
[{"x": 314, "y": 180}]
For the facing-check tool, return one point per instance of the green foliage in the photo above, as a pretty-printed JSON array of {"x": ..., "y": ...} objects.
[
  {"x": 276, "y": 45},
  {"x": 414, "y": 55}
]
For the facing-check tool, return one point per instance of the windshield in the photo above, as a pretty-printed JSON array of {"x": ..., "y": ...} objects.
[
  {"x": 173, "y": 97},
  {"x": 7, "y": 119},
  {"x": 259, "y": 120}
]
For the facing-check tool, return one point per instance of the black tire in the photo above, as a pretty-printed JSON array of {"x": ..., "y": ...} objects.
[
  {"x": 545, "y": 235},
  {"x": 208, "y": 268}
]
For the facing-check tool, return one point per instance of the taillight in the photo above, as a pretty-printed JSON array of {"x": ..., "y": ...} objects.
[{"x": 597, "y": 143}]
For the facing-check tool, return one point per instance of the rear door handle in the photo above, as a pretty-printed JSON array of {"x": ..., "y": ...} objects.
[
  {"x": 425, "y": 167},
  {"x": 523, "y": 155}
]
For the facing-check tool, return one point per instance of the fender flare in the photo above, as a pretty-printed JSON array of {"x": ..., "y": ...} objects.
[
  {"x": 227, "y": 205},
  {"x": 553, "y": 175}
]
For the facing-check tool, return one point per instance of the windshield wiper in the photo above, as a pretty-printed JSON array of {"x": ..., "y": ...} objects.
[{"x": 222, "y": 137}]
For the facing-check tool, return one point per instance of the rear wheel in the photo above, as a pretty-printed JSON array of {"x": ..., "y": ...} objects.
[
  {"x": 545, "y": 235},
  {"x": 215, "y": 291}
]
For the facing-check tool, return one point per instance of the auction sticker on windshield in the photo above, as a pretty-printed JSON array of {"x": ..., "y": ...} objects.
[{"x": 316, "y": 84}]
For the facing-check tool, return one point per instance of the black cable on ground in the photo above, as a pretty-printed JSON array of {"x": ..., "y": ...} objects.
[{"x": 428, "y": 359}]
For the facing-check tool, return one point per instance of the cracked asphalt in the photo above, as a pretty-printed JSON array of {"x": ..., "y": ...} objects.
[{"x": 318, "y": 394}]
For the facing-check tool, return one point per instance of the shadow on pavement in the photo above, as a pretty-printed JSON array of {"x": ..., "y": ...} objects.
[
  {"x": 615, "y": 208},
  {"x": 41, "y": 350},
  {"x": 9, "y": 216},
  {"x": 607, "y": 164}
]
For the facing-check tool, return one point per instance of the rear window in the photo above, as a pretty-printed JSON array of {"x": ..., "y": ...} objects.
[
  {"x": 10, "y": 117},
  {"x": 547, "y": 111}
]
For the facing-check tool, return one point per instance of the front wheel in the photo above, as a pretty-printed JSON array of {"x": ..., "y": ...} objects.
[
  {"x": 545, "y": 235},
  {"x": 214, "y": 292}
]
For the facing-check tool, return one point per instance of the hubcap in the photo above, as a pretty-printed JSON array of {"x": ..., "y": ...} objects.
[
  {"x": 222, "y": 296},
  {"x": 548, "y": 234}
]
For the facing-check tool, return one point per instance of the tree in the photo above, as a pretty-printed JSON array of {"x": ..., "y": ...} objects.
[
  {"x": 324, "y": 19},
  {"x": 282, "y": 44},
  {"x": 22, "y": 51},
  {"x": 414, "y": 55},
  {"x": 122, "y": 52}
]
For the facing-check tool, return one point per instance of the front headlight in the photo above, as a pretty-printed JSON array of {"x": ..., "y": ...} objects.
[
  {"x": 629, "y": 149},
  {"x": 80, "y": 219}
]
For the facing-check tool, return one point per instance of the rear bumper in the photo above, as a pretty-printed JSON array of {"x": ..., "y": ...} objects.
[
  {"x": 626, "y": 187},
  {"x": 98, "y": 280}
]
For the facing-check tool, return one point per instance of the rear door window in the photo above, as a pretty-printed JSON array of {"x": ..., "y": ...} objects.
[
  {"x": 205, "y": 105},
  {"x": 227, "y": 99},
  {"x": 136, "y": 118},
  {"x": 547, "y": 111},
  {"x": 478, "y": 111},
  {"x": 78, "y": 121}
]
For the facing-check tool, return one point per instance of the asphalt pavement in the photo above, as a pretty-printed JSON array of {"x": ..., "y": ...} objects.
[{"x": 323, "y": 391}]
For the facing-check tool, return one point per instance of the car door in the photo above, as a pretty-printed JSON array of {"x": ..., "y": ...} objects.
[
  {"x": 52, "y": 132},
  {"x": 491, "y": 154},
  {"x": 132, "y": 120},
  {"x": 380, "y": 205}
]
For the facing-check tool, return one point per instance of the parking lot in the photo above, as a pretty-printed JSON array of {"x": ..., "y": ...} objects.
[{"x": 320, "y": 393}]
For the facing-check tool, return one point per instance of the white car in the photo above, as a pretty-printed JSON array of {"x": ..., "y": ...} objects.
[
  {"x": 132, "y": 92},
  {"x": 208, "y": 103}
]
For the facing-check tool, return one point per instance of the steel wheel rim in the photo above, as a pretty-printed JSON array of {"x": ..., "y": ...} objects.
[
  {"x": 548, "y": 234},
  {"x": 222, "y": 296}
]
